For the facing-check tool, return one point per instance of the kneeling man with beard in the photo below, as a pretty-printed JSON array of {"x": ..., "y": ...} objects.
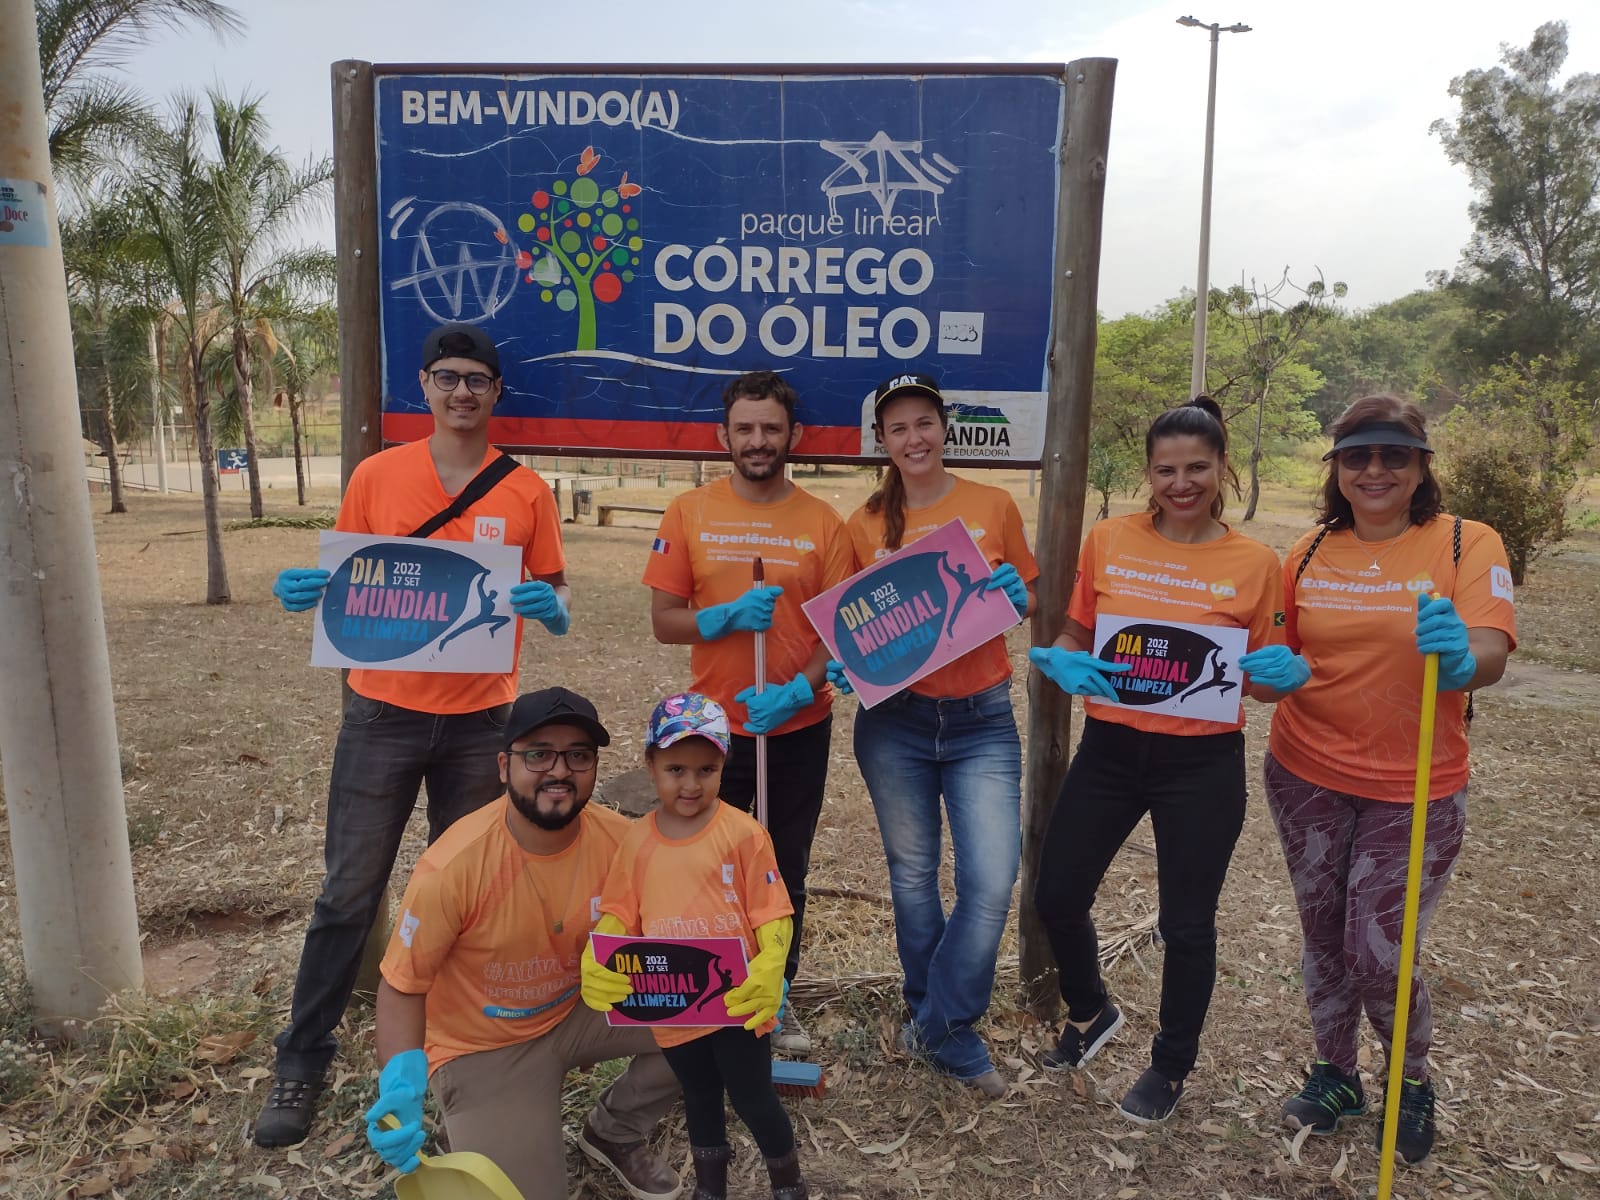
[{"x": 479, "y": 998}]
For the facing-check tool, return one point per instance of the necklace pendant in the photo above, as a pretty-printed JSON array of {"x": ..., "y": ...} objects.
[{"x": 558, "y": 927}]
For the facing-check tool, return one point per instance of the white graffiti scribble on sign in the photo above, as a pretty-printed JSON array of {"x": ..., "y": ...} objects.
[
  {"x": 883, "y": 168},
  {"x": 458, "y": 244}
]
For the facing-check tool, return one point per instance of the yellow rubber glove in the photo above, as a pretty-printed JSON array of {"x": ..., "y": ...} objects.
[
  {"x": 602, "y": 987},
  {"x": 761, "y": 994}
]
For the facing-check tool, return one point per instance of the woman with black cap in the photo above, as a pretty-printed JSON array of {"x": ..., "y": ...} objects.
[{"x": 1385, "y": 578}]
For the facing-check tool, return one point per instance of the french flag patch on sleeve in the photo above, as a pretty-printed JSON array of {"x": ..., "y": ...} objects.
[
  {"x": 660, "y": 546},
  {"x": 772, "y": 877}
]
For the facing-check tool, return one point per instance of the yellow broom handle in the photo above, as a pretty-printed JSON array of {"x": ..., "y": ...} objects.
[{"x": 1408, "y": 928}]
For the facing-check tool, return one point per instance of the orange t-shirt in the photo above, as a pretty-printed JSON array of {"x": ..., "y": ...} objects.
[
  {"x": 1353, "y": 727},
  {"x": 1126, "y": 568},
  {"x": 478, "y": 930},
  {"x": 394, "y": 492},
  {"x": 991, "y": 516},
  {"x": 720, "y": 882},
  {"x": 703, "y": 552}
]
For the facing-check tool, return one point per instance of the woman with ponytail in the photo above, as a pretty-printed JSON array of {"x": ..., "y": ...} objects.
[
  {"x": 1176, "y": 562},
  {"x": 950, "y": 735}
]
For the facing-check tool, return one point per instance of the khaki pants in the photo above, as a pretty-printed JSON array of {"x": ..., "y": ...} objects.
[{"x": 506, "y": 1103}]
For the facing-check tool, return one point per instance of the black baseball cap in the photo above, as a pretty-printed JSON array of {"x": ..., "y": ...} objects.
[
  {"x": 1379, "y": 433},
  {"x": 899, "y": 385},
  {"x": 460, "y": 340},
  {"x": 554, "y": 706}
]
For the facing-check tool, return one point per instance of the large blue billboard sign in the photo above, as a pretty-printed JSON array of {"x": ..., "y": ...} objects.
[{"x": 631, "y": 242}]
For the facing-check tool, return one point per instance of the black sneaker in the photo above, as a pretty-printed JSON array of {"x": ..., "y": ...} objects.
[
  {"x": 1076, "y": 1046},
  {"x": 1414, "y": 1138},
  {"x": 1151, "y": 1099},
  {"x": 1328, "y": 1096},
  {"x": 286, "y": 1117}
]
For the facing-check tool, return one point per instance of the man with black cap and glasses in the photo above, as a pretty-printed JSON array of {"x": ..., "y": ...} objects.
[
  {"x": 481, "y": 979},
  {"x": 403, "y": 727}
]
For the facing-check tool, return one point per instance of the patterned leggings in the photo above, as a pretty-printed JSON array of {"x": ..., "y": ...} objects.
[{"x": 1347, "y": 859}]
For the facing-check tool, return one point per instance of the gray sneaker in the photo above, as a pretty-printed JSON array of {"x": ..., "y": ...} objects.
[{"x": 791, "y": 1037}]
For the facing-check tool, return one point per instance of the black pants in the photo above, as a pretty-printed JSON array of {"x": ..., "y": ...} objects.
[
  {"x": 1194, "y": 790},
  {"x": 797, "y": 772},
  {"x": 736, "y": 1061}
]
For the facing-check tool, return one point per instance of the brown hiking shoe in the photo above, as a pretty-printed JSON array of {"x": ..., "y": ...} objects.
[{"x": 641, "y": 1170}]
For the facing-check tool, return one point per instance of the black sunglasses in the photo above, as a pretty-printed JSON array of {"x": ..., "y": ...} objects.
[{"x": 1394, "y": 458}]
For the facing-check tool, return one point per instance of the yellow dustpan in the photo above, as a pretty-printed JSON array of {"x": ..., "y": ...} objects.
[
  {"x": 1408, "y": 927},
  {"x": 462, "y": 1175}
]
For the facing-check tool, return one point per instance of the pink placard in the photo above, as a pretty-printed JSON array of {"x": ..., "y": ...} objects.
[
  {"x": 676, "y": 981},
  {"x": 911, "y": 612}
]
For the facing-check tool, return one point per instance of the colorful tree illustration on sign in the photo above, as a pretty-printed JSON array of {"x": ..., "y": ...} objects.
[{"x": 586, "y": 244}]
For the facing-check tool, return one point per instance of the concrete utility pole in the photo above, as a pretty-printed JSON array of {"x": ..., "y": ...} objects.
[
  {"x": 58, "y": 732},
  {"x": 1202, "y": 287}
]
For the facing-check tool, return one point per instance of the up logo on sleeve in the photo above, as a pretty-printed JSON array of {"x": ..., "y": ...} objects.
[{"x": 1500, "y": 584}]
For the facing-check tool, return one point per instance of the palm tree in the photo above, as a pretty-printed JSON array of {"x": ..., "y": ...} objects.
[
  {"x": 89, "y": 114},
  {"x": 308, "y": 349},
  {"x": 175, "y": 199},
  {"x": 260, "y": 199},
  {"x": 105, "y": 254}
]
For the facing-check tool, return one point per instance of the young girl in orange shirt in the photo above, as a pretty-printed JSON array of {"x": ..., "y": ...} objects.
[{"x": 696, "y": 866}]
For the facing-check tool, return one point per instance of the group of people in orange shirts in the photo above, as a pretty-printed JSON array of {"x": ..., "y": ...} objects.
[{"x": 1334, "y": 637}]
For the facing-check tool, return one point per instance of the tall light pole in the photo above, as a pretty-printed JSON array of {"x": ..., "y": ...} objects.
[{"x": 1202, "y": 287}]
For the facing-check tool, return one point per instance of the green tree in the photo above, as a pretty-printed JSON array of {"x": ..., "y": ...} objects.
[
  {"x": 1406, "y": 345},
  {"x": 1510, "y": 454},
  {"x": 307, "y": 353},
  {"x": 174, "y": 198},
  {"x": 260, "y": 201},
  {"x": 105, "y": 254},
  {"x": 1269, "y": 376},
  {"x": 1531, "y": 149},
  {"x": 90, "y": 115}
]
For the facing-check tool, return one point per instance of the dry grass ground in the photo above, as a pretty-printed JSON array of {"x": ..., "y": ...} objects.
[{"x": 226, "y": 737}]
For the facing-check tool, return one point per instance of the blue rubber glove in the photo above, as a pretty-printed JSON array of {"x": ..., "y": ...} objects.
[
  {"x": 750, "y": 613},
  {"x": 1441, "y": 631},
  {"x": 1005, "y": 578},
  {"x": 1077, "y": 671},
  {"x": 1276, "y": 667},
  {"x": 401, "y": 1086},
  {"x": 839, "y": 680},
  {"x": 299, "y": 588},
  {"x": 775, "y": 705},
  {"x": 538, "y": 601}
]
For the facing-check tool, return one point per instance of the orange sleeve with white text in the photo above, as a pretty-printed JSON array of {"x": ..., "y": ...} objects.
[
  {"x": 1354, "y": 726},
  {"x": 703, "y": 552},
  {"x": 478, "y": 930},
  {"x": 1127, "y": 569},
  {"x": 991, "y": 516},
  {"x": 396, "y": 491},
  {"x": 721, "y": 882}
]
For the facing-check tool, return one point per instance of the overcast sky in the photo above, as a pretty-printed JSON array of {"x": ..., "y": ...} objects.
[{"x": 1323, "y": 157}]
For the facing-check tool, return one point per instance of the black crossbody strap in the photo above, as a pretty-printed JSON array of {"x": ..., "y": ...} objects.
[{"x": 477, "y": 488}]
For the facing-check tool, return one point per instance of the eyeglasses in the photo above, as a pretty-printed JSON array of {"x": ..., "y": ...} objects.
[
  {"x": 579, "y": 758},
  {"x": 446, "y": 380},
  {"x": 1394, "y": 458}
]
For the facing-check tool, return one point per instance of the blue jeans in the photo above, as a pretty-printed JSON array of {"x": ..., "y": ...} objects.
[
  {"x": 912, "y": 750},
  {"x": 383, "y": 755}
]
